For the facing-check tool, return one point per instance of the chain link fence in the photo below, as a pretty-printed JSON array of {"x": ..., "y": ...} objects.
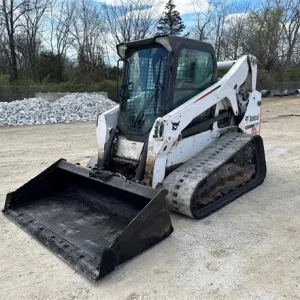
[
  {"x": 279, "y": 86},
  {"x": 10, "y": 93}
]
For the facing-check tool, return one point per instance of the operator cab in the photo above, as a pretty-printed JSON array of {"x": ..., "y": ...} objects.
[{"x": 160, "y": 74}]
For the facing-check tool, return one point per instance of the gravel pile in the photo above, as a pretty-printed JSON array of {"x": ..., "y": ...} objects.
[{"x": 78, "y": 107}]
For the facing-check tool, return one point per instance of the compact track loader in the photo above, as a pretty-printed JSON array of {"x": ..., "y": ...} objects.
[{"x": 181, "y": 138}]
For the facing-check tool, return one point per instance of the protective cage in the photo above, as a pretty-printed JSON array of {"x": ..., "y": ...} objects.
[{"x": 92, "y": 224}]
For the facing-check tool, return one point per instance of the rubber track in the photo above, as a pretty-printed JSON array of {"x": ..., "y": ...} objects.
[{"x": 184, "y": 181}]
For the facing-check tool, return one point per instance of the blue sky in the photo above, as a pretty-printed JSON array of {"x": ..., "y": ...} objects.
[
  {"x": 238, "y": 7},
  {"x": 186, "y": 9},
  {"x": 187, "y": 13}
]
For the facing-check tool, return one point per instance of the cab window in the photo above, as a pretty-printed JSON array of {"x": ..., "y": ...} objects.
[{"x": 194, "y": 74}]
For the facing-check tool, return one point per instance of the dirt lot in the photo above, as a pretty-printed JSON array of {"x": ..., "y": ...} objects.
[{"x": 247, "y": 250}]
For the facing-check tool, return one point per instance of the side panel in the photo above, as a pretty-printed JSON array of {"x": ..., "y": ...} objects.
[
  {"x": 105, "y": 122},
  {"x": 251, "y": 121},
  {"x": 185, "y": 149},
  {"x": 181, "y": 152},
  {"x": 128, "y": 149}
]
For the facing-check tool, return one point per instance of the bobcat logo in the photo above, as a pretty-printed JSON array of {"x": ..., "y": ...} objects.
[{"x": 175, "y": 125}]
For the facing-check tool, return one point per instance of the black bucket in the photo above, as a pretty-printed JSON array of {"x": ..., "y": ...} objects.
[{"x": 92, "y": 224}]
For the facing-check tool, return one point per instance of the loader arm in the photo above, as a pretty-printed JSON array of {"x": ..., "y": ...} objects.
[{"x": 225, "y": 89}]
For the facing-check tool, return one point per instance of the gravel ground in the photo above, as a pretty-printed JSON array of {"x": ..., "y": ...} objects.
[{"x": 247, "y": 250}]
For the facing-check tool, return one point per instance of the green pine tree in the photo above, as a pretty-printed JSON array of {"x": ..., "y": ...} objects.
[{"x": 171, "y": 22}]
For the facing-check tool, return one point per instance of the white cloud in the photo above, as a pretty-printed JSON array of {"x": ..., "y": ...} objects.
[
  {"x": 184, "y": 7},
  {"x": 144, "y": 13},
  {"x": 236, "y": 17},
  {"x": 109, "y": 2}
]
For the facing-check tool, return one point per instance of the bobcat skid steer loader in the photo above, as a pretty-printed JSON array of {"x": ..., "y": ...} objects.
[{"x": 181, "y": 138}]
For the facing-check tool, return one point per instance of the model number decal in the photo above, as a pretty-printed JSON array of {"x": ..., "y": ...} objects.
[{"x": 254, "y": 118}]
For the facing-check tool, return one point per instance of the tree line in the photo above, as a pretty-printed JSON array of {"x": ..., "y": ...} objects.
[
  {"x": 54, "y": 41},
  {"x": 270, "y": 31}
]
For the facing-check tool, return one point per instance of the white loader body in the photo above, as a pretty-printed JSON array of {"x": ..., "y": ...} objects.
[{"x": 166, "y": 147}]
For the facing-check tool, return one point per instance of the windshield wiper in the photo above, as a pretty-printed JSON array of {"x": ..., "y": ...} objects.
[{"x": 139, "y": 120}]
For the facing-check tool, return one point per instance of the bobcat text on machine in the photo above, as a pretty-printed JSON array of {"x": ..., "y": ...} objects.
[{"x": 181, "y": 138}]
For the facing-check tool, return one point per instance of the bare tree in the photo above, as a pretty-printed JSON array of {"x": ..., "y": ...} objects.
[
  {"x": 221, "y": 10},
  {"x": 235, "y": 27},
  {"x": 5, "y": 51},
  {"x": 264, "y": 33},
  {"x": 129, "y": 20},
  {"x": 58, "y": 34},
  {"x": 290, "y": 23},
  {"x": 61, "y": 18},
  {"x": 202, "y": 28},
  {"x": 210, "y": 22},
  {"x": 30, "y": 25},
  {"x": 11, "y": 12},
  {"x": 88, "y": 34}
]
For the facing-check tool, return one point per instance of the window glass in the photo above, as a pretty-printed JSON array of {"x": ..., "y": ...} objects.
[
  {"x": 145, "y": 82},
  {"x": 194, "y": 74}
]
